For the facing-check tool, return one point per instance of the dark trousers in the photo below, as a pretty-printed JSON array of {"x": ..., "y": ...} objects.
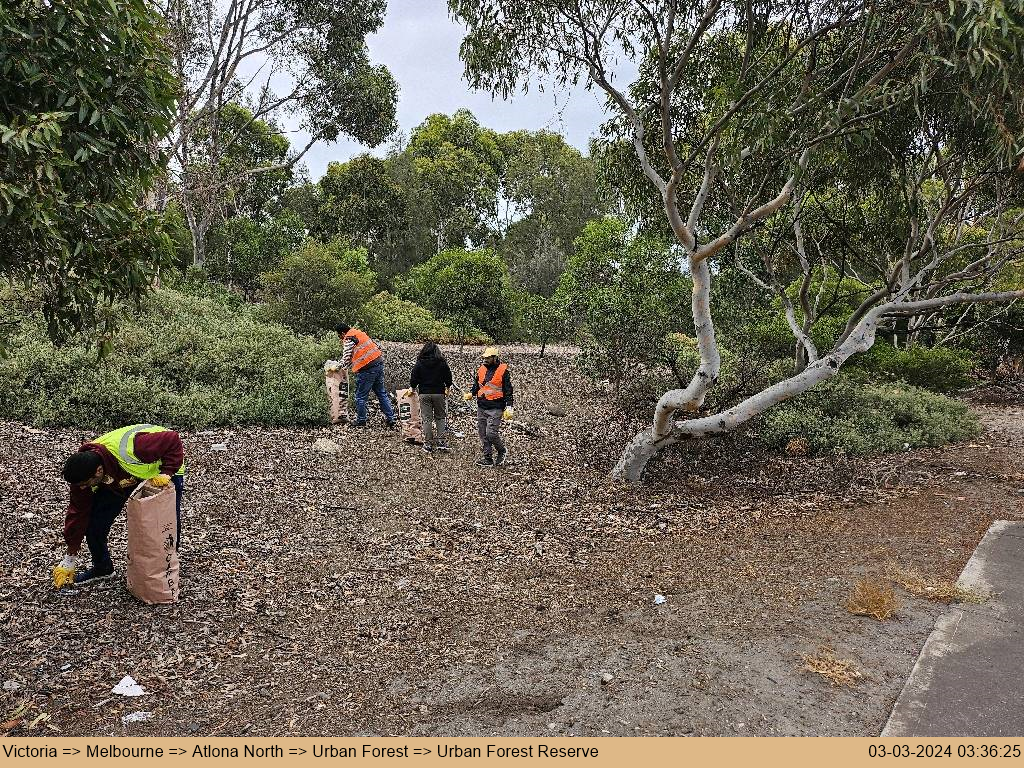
[
  {"x": 106, "y": 506},
  {"x": 372, "y": 377},
  {"x": 488, "y": 422}
]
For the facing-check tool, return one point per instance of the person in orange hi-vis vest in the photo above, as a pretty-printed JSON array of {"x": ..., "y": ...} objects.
[
  {"x": 362, "y": 354},
  {"x": 494, "y": 400}
]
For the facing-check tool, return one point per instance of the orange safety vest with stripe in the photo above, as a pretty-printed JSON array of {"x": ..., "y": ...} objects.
[
  {"x": 491, "y": 390},
  {"x": 365, "y": 350}
]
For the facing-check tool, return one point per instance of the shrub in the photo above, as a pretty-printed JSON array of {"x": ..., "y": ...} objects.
[
  {"x": 937, "y": 368},
  {"x": 625, "y": 295},
  {"x": 196, "y": 282},
  {"x": 466, "y": 289},
  {"x": 844, "y": 416},
  {"x": 319, "y": 286},
  {"x": 390, "y": 318},
  {"x": 241, "y": 249},
  {"x": 181, "y": 361},
  {"x": 538, "y": 319}
]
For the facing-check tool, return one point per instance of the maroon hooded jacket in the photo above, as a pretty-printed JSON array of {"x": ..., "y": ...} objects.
[{"x": 164, "y": 447}]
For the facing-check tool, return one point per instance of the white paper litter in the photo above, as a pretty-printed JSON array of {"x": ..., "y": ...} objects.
[
  {"x": 219, "y": 447},
  {"x": 659, "y": 599},
  {"x": 137, "y": 717},
  {"x": 128, "y": 687}
]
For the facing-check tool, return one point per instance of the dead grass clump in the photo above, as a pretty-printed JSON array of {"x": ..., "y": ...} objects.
[
  {"x": 839, "y": 672},
  {"x": 873, "y": 597},
  {"x": 932, "y": 588},
  {"x": 797, "y": 447}
]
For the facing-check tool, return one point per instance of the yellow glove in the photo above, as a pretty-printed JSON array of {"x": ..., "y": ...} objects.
[
  {"x": 64, "y": 573},
  {"x": 508, "y": 414},
  {"x": 468, "y": 396},
  {"x": 159, "y": 481}
]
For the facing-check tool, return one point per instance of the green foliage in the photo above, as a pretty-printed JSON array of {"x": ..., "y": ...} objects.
[
  {"x": 390, "y": 318},
  {"x": 845, "y": 416},
  {"x": 318, "y": 286},
  {"x": 361, "y": 201},
  {"x": 549, "y": 191},
  {"x": 625, "y": 295},
  {"x": 538, "y": 319},
  {"x": 254, "y": 163},
  {"x": 458, "y": 166},
  {"x": 195, "y": 282},
  {"x": 467, "y": 289},
  {"x": 182, "y": 361},
  {"x": 85, "y": 94},
  {"x": 241, "y": 249},
  {"x": 936, "y": 368}
]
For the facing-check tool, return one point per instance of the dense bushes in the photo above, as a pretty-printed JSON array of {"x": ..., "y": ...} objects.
[
  {"x": 319, "y": 286},
  {"x": 936, "y": 368},
  {"x": 181, "y": 361},
  {"x": 845, "y": 416},
  {"x": 625, "y": 295},
  {"x": 241, "y": 249},
  {"x": 469, "y": 290},
  {"x": 390, "y": 318}
]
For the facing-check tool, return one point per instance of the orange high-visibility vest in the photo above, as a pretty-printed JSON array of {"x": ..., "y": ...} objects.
[
  {"x": 364, "y": 352},
  {"x": 491, "y": 390}
]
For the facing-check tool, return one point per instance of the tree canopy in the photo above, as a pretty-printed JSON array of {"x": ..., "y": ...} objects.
[{"x": 79, "y": 125}]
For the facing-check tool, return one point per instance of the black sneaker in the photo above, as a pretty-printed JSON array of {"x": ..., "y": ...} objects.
[
  {"x": 357, "y": 424},
  {"x": 442, "y": 447},
  {"x": 426, "y": 448},
  {"x": 390, "y": 424},
  {"x": 500, "y": 458},
  {"x": 93, "y": 574},
  {"x": 485, "y": 461}
]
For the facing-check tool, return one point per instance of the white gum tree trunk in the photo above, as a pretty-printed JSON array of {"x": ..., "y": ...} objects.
[{"x": 648, "y": 443}]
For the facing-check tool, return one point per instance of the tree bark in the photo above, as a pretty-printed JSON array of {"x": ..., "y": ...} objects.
[{"x": 646, "y": 445}]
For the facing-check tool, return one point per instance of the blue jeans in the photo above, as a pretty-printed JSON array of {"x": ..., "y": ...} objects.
[
  {"x": 106, "y": 506},
  {"x": 372, "y": 377}
]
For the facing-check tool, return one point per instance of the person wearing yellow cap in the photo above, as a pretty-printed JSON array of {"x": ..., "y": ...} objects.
[{"x": 494, "y": 400}]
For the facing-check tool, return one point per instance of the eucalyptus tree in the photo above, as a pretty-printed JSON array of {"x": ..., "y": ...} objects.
[
  {"x": 301, "y": 60},
  {"x": 77, "y": 124},
  {"x": 732, "y": 106},
  {"x": 548, "y": 193}
]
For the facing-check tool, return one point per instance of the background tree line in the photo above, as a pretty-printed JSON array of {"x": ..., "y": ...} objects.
[{"x": 780, "y": 192}]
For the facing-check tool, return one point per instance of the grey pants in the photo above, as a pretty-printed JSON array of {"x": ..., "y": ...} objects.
[
  {"x": 488, "y": 421},
  {"x": 432, "y": 412}
]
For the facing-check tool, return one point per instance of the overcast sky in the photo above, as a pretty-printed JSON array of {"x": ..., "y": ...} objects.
[{"x": 419, "y": 43}]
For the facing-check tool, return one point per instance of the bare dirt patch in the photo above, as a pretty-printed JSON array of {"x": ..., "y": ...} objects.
[{"x": 386, "y": 591}]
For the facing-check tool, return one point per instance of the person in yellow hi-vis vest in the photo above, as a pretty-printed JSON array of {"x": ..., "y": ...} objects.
[{"x": 102, "y": 475}]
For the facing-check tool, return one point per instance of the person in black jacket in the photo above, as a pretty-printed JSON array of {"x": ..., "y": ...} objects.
[{"x": 431, "y": 377}]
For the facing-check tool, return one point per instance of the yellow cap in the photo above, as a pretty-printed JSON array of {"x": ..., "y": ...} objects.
[{"x": 490, "y": 352}]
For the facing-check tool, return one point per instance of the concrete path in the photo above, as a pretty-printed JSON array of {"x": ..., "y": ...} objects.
[{"x": 969, "y": 678}]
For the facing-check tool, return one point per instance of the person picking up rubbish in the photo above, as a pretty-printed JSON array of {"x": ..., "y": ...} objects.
[
  {"x": 363, "y": 355},
  {"x": 103, "y": 474},
  {"x": 494, "y": 401}
]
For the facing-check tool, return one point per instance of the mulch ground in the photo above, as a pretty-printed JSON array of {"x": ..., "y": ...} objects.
[{"x": 387, "y": 591}]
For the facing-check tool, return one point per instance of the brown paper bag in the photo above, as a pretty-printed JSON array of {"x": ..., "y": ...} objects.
[
  {"x": 339, "y": 392},
  {"x": 152, "y": 544},
  {"x": 334, "y": 380},
  {"x": 409, "y": 415}
]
